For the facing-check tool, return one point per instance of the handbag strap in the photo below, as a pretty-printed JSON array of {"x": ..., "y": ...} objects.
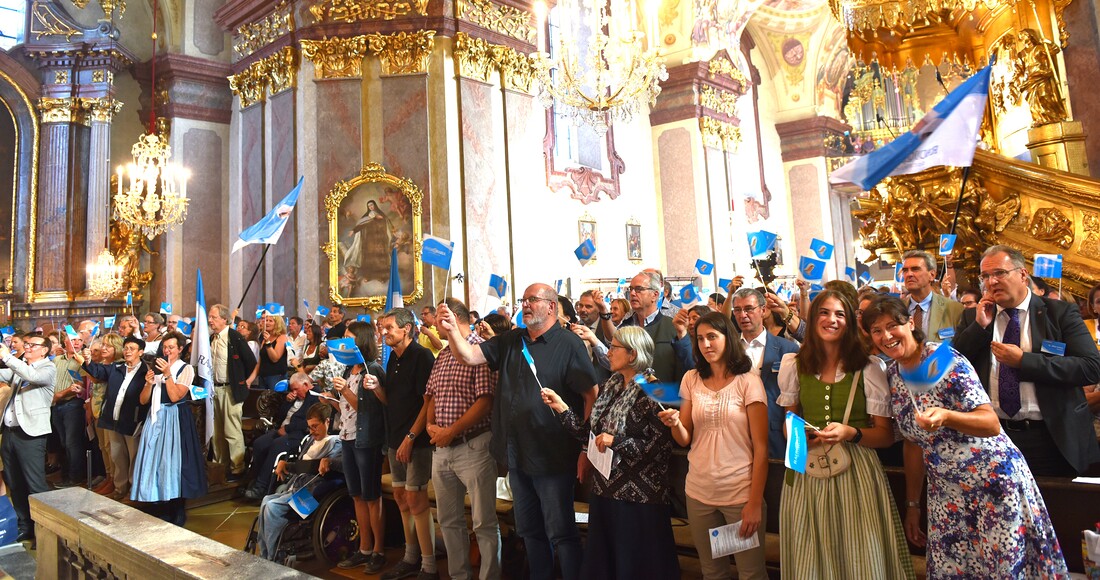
[{"x": 852, "y": 395}]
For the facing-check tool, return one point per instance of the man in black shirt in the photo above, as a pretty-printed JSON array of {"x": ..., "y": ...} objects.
[
  {"x": 540, "y": 454},
  {"x": 335, "y": 323},
  {"x": 410, "y": 451}
]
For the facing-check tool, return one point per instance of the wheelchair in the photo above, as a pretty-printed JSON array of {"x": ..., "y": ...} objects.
[{"x": 330, "y": 533}]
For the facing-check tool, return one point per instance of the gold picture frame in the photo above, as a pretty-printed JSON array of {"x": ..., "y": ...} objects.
[
  {"x": 586, "y": 229},
  {"x": 634, "y": 241},
  {"x": 368, "y": 215}
]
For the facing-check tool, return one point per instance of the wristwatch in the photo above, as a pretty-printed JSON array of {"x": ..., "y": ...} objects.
[
  {"x": 859, "y": 435},
  {"x": 606, "y": 316},
  {"x": 410, "y": 436}
]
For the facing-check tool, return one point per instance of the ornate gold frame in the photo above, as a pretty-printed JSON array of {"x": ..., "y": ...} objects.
[
  {"x": 590, "y": 221},
  {"x": 636, "y": 225},
  {"x": 372, "y": 173}
]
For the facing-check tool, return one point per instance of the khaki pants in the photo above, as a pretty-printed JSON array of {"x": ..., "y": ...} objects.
[
  {"x": 703, "y": 517},
  {"x": 228, "y": 438},
  {"x": 123, "y": 451}
]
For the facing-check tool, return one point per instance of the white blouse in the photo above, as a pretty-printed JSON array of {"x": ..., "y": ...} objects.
[{"x": 875, "y": 386}]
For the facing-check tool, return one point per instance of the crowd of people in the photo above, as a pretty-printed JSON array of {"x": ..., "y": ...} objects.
[{"x": 460, "y": 394}]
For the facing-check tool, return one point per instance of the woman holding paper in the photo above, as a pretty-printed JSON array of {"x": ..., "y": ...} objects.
[
  {"x": 170, "y": 467},
  {"x": 724, "y": 418},
  {"x": 629, "y": 527},
  {"x": 839, "y": 520},
  {"x": 984, "y": 508}
]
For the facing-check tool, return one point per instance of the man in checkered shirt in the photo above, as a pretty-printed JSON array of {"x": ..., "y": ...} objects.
[{"x": 459, "y": 399}]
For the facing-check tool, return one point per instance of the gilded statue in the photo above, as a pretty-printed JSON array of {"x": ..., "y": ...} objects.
[
  {"x": 1040, "y": 83},
  {"x": 1051, "y": 225}
]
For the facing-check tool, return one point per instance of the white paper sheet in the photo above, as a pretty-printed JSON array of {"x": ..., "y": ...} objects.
[
  {"x": 726, "y": 540},
  {"x": 601, "y": 461}
]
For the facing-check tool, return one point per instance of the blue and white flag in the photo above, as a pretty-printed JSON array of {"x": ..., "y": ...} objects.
[
  {"x": 281, "y": 386},
  {"x": 760, "y": 243},
  {"x": 437, "y": 252},
  {"x": 275, "y": 309},
  {"x": 724, "y": 283},
  {"x": 899, "y": 277},
  {"x": 303, "y": 503},
  {"x": 703, "y": 267},
  {"x": 260, "y": 311},
  {"x": 7, "y": 331},
  {"x": 947, "y": 244},
  {"x": 689, "y": 295},
  {"x": 165, "y": 307},
  {"x": 345, "y": 351},
  {"x": 71, "y": 332},
  {"x": 518, "y": 319},
  {"x": 866, "y": 278},
  {"x": 850, "y": 274},
  {"x": 498, "y": 285},
  {"x": 322, "y": 310},
  {"x": 95, "y": 329},
  {"x": 810, "y": 269},
  {"x": 364, "y": 318},
  {"x": 821, "y": 249},
  {"x": 925, "y": 376},
  {"x": 661, "y": 393},
  {"x": 947, "y": 135},
  {"x": 201, "y": 357},
  {"x": 129, "y": 298},
  {"x": 1048, "y": 266},
  {"x": 530, "y": 361},
  {"x": 184, "y": 327},
  {"x": 585, "y": 252},
  {"x": 109, "y": 321},
  {"x": 557, "y": 286},
  {"x": 270, "y": 227},
  {"x": 797, "y": 444}
]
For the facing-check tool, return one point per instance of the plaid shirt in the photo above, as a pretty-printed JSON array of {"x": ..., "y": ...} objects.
[{"x": 455, "y": 386}]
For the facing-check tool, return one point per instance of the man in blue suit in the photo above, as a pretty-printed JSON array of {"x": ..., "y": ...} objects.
[{"x": 765, "y": 350}]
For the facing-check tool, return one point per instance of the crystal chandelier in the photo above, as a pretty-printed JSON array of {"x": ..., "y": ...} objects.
[
  {"x": 105, "y": 276},
  {"x": 607, "y": 77},
  {"x": 156, "y": 199}
]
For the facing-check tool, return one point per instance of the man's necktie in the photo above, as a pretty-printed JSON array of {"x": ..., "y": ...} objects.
[
  {"x": 918, "y": 318},
  {"x": 1008, "y": 378}
]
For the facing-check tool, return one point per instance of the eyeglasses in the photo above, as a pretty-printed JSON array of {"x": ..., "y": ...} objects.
[
  {"x": 30, "y": 344},
  {"x": 533, "y": 299},
  {"x": 640, "y": 289},
  {"x": 611, "y": 346},
  {"x": 746, "y": 309},
  {"x": 997, "y": 275}
]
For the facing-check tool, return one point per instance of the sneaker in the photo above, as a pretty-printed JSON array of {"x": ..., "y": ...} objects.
[
  {"x": 253, "y": 494},
  {"x": 425, "y": 575},
  {"x": 403, "y": 569},
  {"x": 356, "y": 559},
  {"x": 375, "y": 564}
]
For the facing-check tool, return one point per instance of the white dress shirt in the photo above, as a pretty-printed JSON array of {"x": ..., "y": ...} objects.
[
  {"x": 1029, "y": 405},
  {"x": 755, "y": 348},
  {"x": 126, "y": 382}
]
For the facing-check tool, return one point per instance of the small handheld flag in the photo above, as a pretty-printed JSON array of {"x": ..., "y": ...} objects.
[
  {"x": 866, "y": 278},
  {"x": 71, "y": 332},
  {"x": 165, "y": 307},
  {"x": 184, "y": 327},
  {"x": 281, "y": 386},
  {"x": 363, "y": 318},
  {"x": 821, "y": 249},
  {"x": 761, "y": 243},
  {"x": 345, "y": 351},
  {"x": 303, "y": 502},
  {"x": 109, "y": 321},
  {"x": 530, "y": 362},
  {"x": 585, "y": 252},
  {"x": 1048, "y": 266},
  {"x": 850, "y": 274},
  {"x": 689, "y": 295},
  {"x": 899, "y": 277},
  {"x": 928, "y": 373},
  {"x": 810, "y": 269},
  {"x": 498, "y": 285},
  {"x": 322, "y": 310},
  {"x": 662, "y": 393},
  {"x": 129, "y": 298},
  {"x": 437, "y": 252},
  {"x": 724, "y": 283},
  {"x": 703, "y": 267},
  {"x": 947, "y": 244},
  {"x": 797, "y": 444}
]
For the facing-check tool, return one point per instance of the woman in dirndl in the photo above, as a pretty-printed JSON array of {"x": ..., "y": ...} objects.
[
  {"x": 169, "y": 468},
  {"x": 842, "y": 524}
]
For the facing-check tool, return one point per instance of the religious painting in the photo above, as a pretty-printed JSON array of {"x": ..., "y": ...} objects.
[
  {"x": 374, "y": 228},
  {"x": 634, "y": 241},
  {"x": 586, "y": 230}
]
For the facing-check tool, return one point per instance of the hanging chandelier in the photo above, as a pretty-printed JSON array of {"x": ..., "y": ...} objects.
[
  {"x": 607, "y": 76},
  {"x": 155, "y": 200},
  {"x": 105, "y": 276}
]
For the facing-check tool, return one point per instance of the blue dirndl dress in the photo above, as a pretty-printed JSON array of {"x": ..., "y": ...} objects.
[{"x": 169, "y": 463}]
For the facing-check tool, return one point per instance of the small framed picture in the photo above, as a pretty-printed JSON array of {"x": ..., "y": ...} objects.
[
  {"x": 586, "y": 230},
  {"x": 634, "y": 241}
]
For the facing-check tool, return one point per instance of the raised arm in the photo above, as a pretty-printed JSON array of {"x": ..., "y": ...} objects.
[{"x": 465, "y": 352}]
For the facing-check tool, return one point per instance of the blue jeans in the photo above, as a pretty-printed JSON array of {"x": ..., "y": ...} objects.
[
  {"x": 543, "y": 506},
  {"x": 274, "y": 511},
  {"x": 67, "y": 420}
]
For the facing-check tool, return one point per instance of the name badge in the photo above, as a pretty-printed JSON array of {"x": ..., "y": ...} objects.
[
  {"x": 775, "y": 367},
  {"x": 946, "y": 333},
  {"x": 1054, "y": 347}
]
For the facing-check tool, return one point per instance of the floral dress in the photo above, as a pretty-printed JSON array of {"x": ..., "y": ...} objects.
[{"x": 986, "y": 517}]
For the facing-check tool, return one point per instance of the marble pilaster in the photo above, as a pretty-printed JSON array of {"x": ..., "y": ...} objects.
[
  {"x": 62, "y": 193},
  {"x": 101, "y": 114}
]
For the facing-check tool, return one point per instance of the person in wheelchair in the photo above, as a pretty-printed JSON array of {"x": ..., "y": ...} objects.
[{"x": 317, "y": 456}]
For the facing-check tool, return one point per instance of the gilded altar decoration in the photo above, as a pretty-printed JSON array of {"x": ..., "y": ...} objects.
[
  {"x": 101, "y": 110},
  {"x": 1036, "y": 79},
  {"x": 517, "y": 70},
  {"x": 474, "y": 57},
  {"x": 718, "y": 100},
  {"x": 127, "y": 245},
  {"x": 282, "y": 70},
  {"x": 374, "y": 218},
  {"x": 108, "y": 6},
  {"x": 60, "y": 77},
  {"x": 336, "y": 58},
  {"x": 44, "y": 22},
  {"x": 499, "y": 18},
  {"x": 255, "y": 35},
  {"x": 59, "y": 110},
  {"x": 1051, "y": 225},
  {"x": 1090, "y": 246},
  {"x": 249, "y": 85},
  {"x": 720, "y": 135},
  {"x": 274, "y": 74},
  {"x": 404, "y": 52},
  {"x": 721, "y": 65},
  {"x": 358, "y": 10}
]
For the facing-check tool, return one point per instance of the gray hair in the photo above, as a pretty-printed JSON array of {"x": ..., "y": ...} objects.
[
  {"x": 221, "y": 309},
  {"x": 401, "y": 317},
  {"x": 1015, "y": 256},
  {"x": 929, "y": 259},
  {"x": 462, "y": 314},
  {"x": 298, "y": 378},
  {"x": 654, "y": 280},
  {"x": 637, "y": 339},
  {"x": 743, "y": 293},
  {"x": 157, "y": 318}
]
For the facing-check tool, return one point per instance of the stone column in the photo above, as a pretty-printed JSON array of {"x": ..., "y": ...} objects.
[{"x": 100, "y": 113}]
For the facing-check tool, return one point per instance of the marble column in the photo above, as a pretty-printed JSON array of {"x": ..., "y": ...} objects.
[{"x": 101, "y": 112}]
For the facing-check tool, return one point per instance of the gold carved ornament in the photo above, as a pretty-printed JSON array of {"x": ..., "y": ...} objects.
[
  {"x": 404, "y": 52},
  {"x": 720, "y": 135},
  {"x": 721, "y": 65},
  {"x": 358, "y": 10},
  {"x": 719, "y": 101},
  {"x": 45, "y": 23},
  {"x": 274, "y": 74},
  {"x": 65, "y": 110},
  {"x": 249, "y": 85},
  {"x": 255, "y": 35},
  {"x": 1051, "y": 225},
  {"x": 505, "y": 20},
  {"x": 517, "y": 70},
  {"x": 373, "y": 173},
  {"x": 1029, "y": 76},
  {"x": 474, "y": 57},
  {"x": 101, "y": 110},
  {"x": 336, "y": 58}
]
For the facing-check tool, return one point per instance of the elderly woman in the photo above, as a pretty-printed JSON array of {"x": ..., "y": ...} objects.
[
  {"x": 724, "y": 418},
  {"x": 985, "y": 512},
  {"x": 273, "y": 355},
  {"x": 170, "y": 467},
  {"x": 620, "y": 309},
  {"x": 122, "y": 410},
  {"x": 837, "y": 521},
  {"x": 629, "y": 530}
]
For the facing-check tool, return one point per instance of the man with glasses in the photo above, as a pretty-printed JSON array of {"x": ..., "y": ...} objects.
[
  {"x": 932, "y": 313},
  {"x": 541, "y": 456},
  {"x": 671, "y": 344},
  {"x": 765, "y": 350},
  {"x": 1033, "y": 355},
  {"x": 26, "y": 423},
  {"x": 128, "y": 326},
  {"x": 67, "y": 413}
]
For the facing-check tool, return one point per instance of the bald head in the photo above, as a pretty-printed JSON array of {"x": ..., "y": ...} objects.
[{"x": 540, "y": 308}]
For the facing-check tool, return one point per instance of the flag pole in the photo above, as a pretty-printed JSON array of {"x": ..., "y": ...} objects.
[{"x": 253, "y": 278}]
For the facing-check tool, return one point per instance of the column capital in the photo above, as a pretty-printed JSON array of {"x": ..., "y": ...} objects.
[
  {"x": 101, "y": 110},
  {"x": 809, "y": 137}
]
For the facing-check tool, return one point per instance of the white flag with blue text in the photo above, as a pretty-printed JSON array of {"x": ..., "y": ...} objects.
[
  {"x": 270, "y": 228},
  {"x": 201, "y": 358}
]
